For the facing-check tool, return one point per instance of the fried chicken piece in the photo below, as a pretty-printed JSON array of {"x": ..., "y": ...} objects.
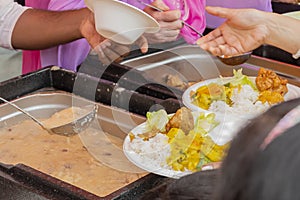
[
  {"x": 268, "y": 80},
  {"x": 182, "y": 119}
]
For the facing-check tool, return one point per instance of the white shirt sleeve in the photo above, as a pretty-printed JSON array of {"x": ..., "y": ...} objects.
[{"x": 9, "y": 15}]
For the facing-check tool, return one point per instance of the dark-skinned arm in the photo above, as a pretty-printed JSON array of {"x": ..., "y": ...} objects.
[{"x": 40, "y": 29}]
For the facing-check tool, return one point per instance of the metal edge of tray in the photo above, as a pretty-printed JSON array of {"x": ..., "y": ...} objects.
[
  {"x": 106, "y": 92},
  {"x": 128, "y": 78}
]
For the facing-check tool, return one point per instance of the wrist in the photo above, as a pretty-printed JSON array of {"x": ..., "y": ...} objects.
[
  {"x": 88, "y": 30},
  {"x": 272, "y": 27},
  {"x": 87, "y": 17}
]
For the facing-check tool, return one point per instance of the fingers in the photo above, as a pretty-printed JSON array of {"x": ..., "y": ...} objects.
[
  {"x": 167, "y": 16},
  {"x": 164, "y": 35},
  {"x": 213, "y": 165},
  {"x": 109, "y": 52},
  {"x": 219, "y": 43},
  {"x": 203, "y": 41},
  {"x": 143, "y": 44},
  {"x": 89, "y": 32},
  {"x": 170, "y": 26},
  {"x": 161, "y": 5},
  {"x": 211, "y": 42}
]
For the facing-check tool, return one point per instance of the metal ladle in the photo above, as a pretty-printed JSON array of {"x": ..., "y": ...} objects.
[
  {"x": 229, "y": 60},
  {"x": 235, "y": 60},
  {"x": 68, "y": 129}
]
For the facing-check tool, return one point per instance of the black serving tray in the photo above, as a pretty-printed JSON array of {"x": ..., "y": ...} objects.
[{"x": 90, "y": 87}]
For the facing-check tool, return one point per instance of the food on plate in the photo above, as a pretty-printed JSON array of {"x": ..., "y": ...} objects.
[
  {"x": 176, "y": 81},
  {"x": 155, "y": 123},
  {"x": 272, "y": 87},
  {"x": 182, "y": 119},
  {"x": 240, "y": 93},
  {"x": 182, "y": 141}
]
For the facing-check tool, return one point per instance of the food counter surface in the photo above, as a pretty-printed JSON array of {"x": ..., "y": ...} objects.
[{"x": 141, "y": 79}]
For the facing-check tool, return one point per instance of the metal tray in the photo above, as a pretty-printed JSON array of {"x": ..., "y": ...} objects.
[
  {"x": 193, "y": 64},
  {"x": 31, "y": 92},
  {"x": 111, "y": 120}
]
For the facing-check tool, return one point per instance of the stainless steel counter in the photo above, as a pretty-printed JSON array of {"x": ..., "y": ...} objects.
[{"x": 191, "y": 63}]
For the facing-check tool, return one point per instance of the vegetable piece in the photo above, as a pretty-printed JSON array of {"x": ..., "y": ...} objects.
[
  {"x": 205, "y": 123},
  {"x": 190, "y": 151},
  {"x": 183, "y": 119},
  {"x": 239, "y": 79},
  {"x": 157, "y": 120}
]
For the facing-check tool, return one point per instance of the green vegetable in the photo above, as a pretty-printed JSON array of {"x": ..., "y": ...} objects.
[
  {"x": 157, "y": 120},
  {"x": 239, "y": 79},
  {"x": 205, "y": 123}
]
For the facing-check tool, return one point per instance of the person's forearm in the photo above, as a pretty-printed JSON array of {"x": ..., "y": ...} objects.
[
  {"x": 284, "y": 32},
  {"x": 37, "y": 29}
]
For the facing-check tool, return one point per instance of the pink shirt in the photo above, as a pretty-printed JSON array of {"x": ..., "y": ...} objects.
[
  {"x": 213, "y": 21},
  {"x": 192, "y": 12},
  {"x": 67, "y": 56}
]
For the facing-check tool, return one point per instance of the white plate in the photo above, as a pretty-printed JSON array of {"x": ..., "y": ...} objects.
[
  {"x": 293, "y": 92},
  {"x": 294, "y": 14},
  {"x": 155, "y": 161}
]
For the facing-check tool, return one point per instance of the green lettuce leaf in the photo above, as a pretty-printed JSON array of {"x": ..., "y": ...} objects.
[
  {"x": 157, "y": 120},
  {"x": 240, "y": 79}
]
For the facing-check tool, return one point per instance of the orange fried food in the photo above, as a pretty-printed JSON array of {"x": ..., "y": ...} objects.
[
  {"x": 272, "y": 87},
  {"x": 182, "y": 119},
  {"x": 269, "y": 80}
]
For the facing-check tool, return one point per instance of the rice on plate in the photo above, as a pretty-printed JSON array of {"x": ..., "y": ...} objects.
[
  {"x": 179, "y": 144},
  {"x": 240, "y": 95}
]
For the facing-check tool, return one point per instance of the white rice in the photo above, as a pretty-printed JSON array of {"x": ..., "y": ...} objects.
[
  {"x": 244, "y": 103},
  {"x": 153, "y": 152}
]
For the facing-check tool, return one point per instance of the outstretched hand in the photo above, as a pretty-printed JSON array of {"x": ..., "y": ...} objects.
[{"x": 242, "y": 32}]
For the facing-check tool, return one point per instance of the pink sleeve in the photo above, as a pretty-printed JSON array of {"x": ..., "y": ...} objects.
[
  {"x": 37, "y": 4},
  {"x": 67, "y": 56},
  {"x": 195, "y": 18},
  {"x": 214, "y": 22},
  {"x": 193, "y": 13}
]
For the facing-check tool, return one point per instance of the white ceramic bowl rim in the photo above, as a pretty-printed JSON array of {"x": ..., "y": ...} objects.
[{"x": 153, "y": 25}]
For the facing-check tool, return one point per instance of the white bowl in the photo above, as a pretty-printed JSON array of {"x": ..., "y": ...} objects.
[{"x": 121, "y": 22}]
